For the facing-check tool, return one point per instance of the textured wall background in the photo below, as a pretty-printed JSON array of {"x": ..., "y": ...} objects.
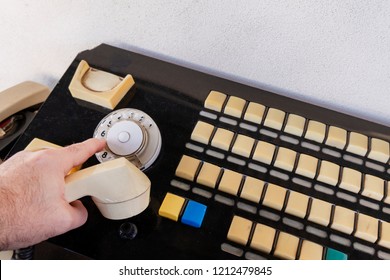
[{"x": 331, "y": 53}]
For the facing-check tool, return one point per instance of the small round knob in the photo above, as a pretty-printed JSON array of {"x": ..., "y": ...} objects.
[{"x": 128, "y": 230}]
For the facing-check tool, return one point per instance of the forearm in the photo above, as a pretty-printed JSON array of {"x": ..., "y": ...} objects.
[{"x": 7, "y": 207}]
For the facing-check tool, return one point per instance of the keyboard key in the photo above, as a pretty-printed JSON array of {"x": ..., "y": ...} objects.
[
  {"x": 215, "y": 100},
  {"x": 307, "y": 166},
  {"x": 194, "y": 214},
  {"x": 315, "y": 131},
  {"x": 380, "y": 150},
  {"x": 234, "y": 106},
  {"x": 285, "y": 159},
  {"x": 337, "y": 137},
  {"x": 239, "y": 230},
  {"x": 252, "y": 189},
  {"x": 358, "y": 144},
  {"x": 320, "y": 212},
  {"x": 243, "y": 145},
  {"x": 202, "y": 132},
  {"x": 351, "y": 180},
  {"x": 274, "y": 118},
  {"x": 343, "y": 219},
  {"x": 373, "y": 187},
  {"x": 263, "y": 238},
  {"x": 295, "y": 125},
  {"x": 311, "y": 251},
  {"x": 264, "y": 152},
  {"x": 332, "y": 254},
  {"x": 254, "y": 112},
  {"x": 367, "y": 228},
  {"x": 286, "y": 246},
  {"x": 274, "y": 197},
  {"x": 208, "y": 175},
  {"x": 230, "y": 182},
  {"x": 187, "y": 168},
  {"x": 297, "y": 204},
  {"x": 384, "y": 240},
  {"x": 329, "y": 173},
  {"x": 171, "y": 206},
  {"x": 222, "y": 139}
]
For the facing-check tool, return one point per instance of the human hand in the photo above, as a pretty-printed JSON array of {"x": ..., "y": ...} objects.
[{"x": 33, "y": 207}]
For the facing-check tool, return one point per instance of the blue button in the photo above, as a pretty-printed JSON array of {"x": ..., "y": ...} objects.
[
  {"x": 193, "y": 214},
  {"x": 332, "y": 254}
]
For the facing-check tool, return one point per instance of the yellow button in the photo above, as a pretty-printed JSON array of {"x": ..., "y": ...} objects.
[
  {"x": 208, "y": 175},
  {"x": 297, "y": 204},
  {"x": 187, "y": 168},
  {"x": 252, "y": 189},
  {"x": 274, "y": 197},
  {"x": 215, "y": 100},
  {"x": 311, "y": 251},
  {"x": 239, "y": 230},
  {"x": 263, "y": 238},
  {"x": 171, "y": 206},
  {"x": 320, "y": 212},
  {"x": 286, "y": 246},
  {"x": 230, "y": 182}
]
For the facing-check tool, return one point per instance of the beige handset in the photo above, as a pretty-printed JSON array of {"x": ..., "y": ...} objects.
[{"x": 118, "y": 188}]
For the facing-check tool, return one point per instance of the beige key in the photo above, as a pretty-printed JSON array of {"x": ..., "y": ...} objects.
[
  {"x": 243, "y": 145},
  {"x": 387, "y": 198},
  {"x": 320, "y": 212},
  {"x": 202, "y": 132},
  {"x": 222, "y": 139},
  {"x": 187, "y": 168},
  {"x": 329, "y": 173},
  {"x": 380, "y": 150},
  {"x": 351, "y": 180},
  {"x": 234, "y": 106},
  {"x": 357, "y": 144},
  {"x": 239, "y": 230},
  {"x": 208, "y": 175},
  {"x": 263, "y": 238},
  {"x": 315, "y": 131},
  {"x": 215, "y": 100},
  {"x": 264, "y": 152},
  {"x": 373, "y": 187},
  {"x": 337, "y": 137},
  {"x": 367, "y": 228},
  {"x": 285, "y": 159},
  {"x": 230, "y": 182},
  {"x": 311, "y": 251},
  {"x": 274, "y": 118},
  {"x": 254, "y": 112},
  {"x": 295, "y": 125},
  {"x": 252, "y": 189},
  {"x": 343, "y": 219},
  {"x": 297, "y": 204},
  {"x": 286, "y": 246},
  {"x": 307, "y": 166},
  {"x": 274, "y": 197},
  {"x": 384, "y": 240}
]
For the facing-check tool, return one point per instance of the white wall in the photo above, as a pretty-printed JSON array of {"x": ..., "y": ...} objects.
[{"x": 333, "y": 53}]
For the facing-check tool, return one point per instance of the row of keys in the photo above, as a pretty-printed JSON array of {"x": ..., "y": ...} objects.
[
  {"x": 281, "y": 199},
  {"x": 189, "y": 212},
  {"x": 356, "y": 143},
  {"x": 286, "y": 159},
  {"x": 278, "y": 243}
]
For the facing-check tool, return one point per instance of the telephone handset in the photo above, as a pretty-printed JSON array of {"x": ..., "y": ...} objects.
[
  {"x": 17, "y": 106},
  {"x": 118, "y": 188}
]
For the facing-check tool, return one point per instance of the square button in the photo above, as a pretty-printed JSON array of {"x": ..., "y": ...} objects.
[
  {"x": 222, "y": 139},
  {"x": 367, "y": 228},
  {"x": 315, "y": 131},
  {"x": 343, "y": 219},
  {"x": 239, "y": 230},
  {"x": 202, "y": 132},
  {"x": 274, "y": 197},
  {"x": 380, "y": 150},
  {"x": 171, "y": 206},
  {"x": 230, "y": 182},
  {"x": 297, "y": 204},
  {"x": 320, "y": 212},
  {"x": 311, "y": 251},
  {"x": 374, "y": 187},
  {"x": 295, "y": 125},
  {"x": 385, "y": 235},
  {"x": 263, "y": 238},
  {"x": 254, "y": 112},
  {"x": 357, "y": 144},
  {"x": 307, "y": 166},
  {"x": 193, "y": 214},
  {"x": 187, "y": 168},
  {"x": 351, "y": 180},
  {"x": 252, "y": 189},
  {"x": 329, "y": 173},
  {"x": 243, "y": 145},
  {"x": 332, "y": 254},
  {"x": 264, "y": 152},
  {"x": 208, "y": 175},
  {"x": 274, "y": 118},
  {"x": 337, "y": 137},
  {"x": 285, "y": 159},
  {"x": 286, "y": 246},
  {"x": 215, "y": 100},
  {"x": 234, "y": 106}
]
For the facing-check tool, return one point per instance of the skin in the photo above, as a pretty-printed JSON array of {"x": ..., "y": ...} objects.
[{"x": 32, "y": 202}]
